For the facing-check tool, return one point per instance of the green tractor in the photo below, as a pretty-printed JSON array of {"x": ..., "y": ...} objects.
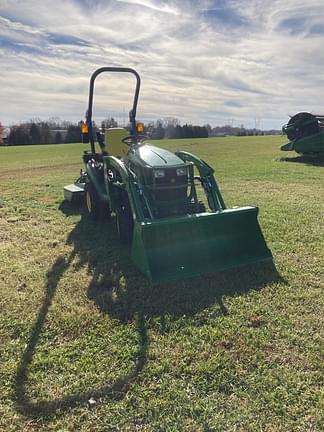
[
  {"x": 155, "y": 196},
  {"x": 306, "y": 134}
]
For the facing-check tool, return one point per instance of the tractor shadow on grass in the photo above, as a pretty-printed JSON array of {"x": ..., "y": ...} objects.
[
  {"x": 48, "y": 408},
  {"x": 306, "y": 160},
  {"x": 119, "y": 290}
]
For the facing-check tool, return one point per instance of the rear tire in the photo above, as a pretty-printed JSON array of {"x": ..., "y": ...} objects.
[
  {"x": 95, "y": 207},
  {"x": 125, "y": 224},
  {"x": 91, "y": 200}
]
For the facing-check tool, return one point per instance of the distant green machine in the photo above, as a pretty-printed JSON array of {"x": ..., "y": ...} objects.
[
  {"x": 306, "y": 134},
  {"x": 154, "y": 196}
]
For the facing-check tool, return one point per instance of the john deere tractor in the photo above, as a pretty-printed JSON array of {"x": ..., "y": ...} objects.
[{"x": 155, "y": 197}]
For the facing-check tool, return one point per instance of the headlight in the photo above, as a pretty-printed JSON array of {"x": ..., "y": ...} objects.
[
  {"x": 159, "y": 173},
  {"x": 181, "y": 171}
]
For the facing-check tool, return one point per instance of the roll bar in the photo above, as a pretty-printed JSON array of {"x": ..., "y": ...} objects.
[{"x": 132, "y": 113}]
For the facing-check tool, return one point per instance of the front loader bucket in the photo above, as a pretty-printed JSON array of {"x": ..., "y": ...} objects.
[{"x": 192, "y": 245}]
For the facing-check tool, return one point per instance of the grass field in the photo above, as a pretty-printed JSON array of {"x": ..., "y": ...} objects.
[{"x": 240, "y": 350}]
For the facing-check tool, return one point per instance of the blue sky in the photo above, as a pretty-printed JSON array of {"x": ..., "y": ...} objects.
[{"x": 211, "y": 61}]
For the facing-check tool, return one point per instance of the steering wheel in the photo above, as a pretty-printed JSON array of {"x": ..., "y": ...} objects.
[{"x": 134, "y": 139}]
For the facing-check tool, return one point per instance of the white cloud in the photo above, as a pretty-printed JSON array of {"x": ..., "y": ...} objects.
[
  {"x": 160, "y": 6},
  {"x": 204, "y": 61}
]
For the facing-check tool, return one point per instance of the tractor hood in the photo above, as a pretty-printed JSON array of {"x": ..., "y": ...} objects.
[{"x": 152, "y": 156}]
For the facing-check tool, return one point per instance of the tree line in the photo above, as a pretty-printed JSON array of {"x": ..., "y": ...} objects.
[
  {"x": 55, "y": 131},
  {"x": 171, "y": 128},
  {"x": 44, "y": 132}
]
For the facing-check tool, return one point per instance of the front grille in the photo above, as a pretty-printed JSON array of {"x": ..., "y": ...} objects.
[{"x": 171, "y": 187}]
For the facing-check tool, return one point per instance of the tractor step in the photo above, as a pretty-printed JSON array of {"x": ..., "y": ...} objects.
[{"x": 74, "y": 192}]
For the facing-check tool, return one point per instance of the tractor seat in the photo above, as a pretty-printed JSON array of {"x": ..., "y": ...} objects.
[{"x": 113, "y": 142}]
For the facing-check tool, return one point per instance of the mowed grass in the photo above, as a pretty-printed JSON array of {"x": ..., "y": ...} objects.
[{"x": 240, "y": 350}]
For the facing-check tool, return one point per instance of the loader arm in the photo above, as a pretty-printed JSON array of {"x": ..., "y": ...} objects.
[
  {"x": 207, "y": 180},
  {"x": 128, "y": 184}
]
